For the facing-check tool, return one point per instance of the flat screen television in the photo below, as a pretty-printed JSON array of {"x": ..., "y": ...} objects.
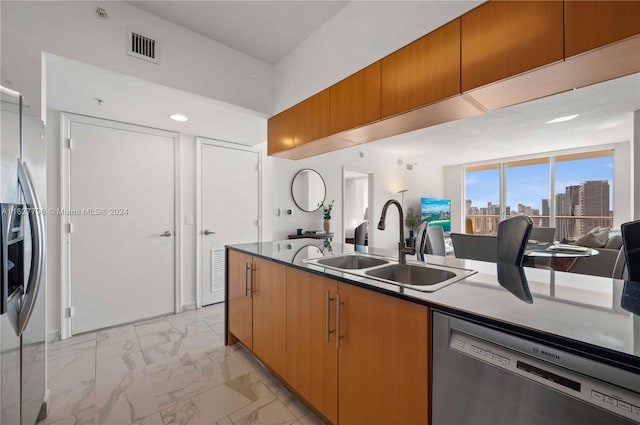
[{"x": 436, "y": 212}]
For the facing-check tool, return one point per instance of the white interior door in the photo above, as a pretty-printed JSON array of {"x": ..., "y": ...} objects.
[
  {"x": 230, "y": 210},
  {"x": 122, "y": 203}
]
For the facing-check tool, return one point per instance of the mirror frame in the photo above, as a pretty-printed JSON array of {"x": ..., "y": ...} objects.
[{"x": 324, "y": 184}]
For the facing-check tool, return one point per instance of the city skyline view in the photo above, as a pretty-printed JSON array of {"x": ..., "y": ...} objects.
[{"x": 529, "y": 185}]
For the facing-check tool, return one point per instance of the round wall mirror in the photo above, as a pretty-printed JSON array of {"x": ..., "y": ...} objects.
[{"x": 308, "y": 190}]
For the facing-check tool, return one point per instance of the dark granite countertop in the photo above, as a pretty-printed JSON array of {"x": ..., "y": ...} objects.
[{"x": 595, "y": 316}]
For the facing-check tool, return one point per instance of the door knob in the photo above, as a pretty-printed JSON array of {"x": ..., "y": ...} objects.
[
  {"x": 166, "y": 234},
  {"x": 207, "y": 232}
]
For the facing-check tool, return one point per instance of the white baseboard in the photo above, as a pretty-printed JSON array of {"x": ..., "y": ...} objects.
[
  {"x": 189, "y": 306},
  {"x": 53, "y": 335}
]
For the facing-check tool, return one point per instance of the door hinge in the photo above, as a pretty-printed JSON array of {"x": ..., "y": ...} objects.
[
  {"x": 68, "y": 228},
  {"x": 68, "y": 143},
  {"x": 68, "y": 312}
]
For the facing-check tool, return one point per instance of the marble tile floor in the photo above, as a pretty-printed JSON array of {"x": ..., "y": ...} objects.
[{"x": 173, "y": 370}]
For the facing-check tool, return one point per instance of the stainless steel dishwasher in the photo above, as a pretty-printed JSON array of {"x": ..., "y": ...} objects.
[{"x": 484, "y": 376}]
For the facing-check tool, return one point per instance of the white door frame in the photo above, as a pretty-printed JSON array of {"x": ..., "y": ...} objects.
[
  {"x": 219, "y": 143},
  {"x": 65, "y": 186},
  {"x": 371, "y": 213}
]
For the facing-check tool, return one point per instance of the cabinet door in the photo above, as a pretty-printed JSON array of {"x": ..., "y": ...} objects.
[
  {"x": 383, "y": 357},
  {"x": 281, "y": 131},
  {"x": 423, "y": 72},
  {"x": 312, "y": 360},
  {"x": 313, "y": 120},
  {"x": 239, "y": 298},
  {"x": 355, "y": 101},
  {"x": 592, "y": 24},
  {"x": 269, "y": 309},
  {"x": 501, "y": 39}
]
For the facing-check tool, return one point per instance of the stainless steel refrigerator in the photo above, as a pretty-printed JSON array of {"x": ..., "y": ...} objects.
[{"x": 22, "y": 265}]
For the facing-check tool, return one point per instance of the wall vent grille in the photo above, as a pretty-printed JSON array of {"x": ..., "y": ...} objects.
[{"x": 142, "y": 47}]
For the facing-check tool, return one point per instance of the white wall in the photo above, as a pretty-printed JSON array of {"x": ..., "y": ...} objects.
[
  {"x": 426, "y": 180},
  {"x": 53, "y": 226},
  {"x": 358, "y": 35},
  {"x": 453, "y": 189},
  {"x": 635, "y": 173},
  {"x": 188, "y": 61},
  {"x": 189, "y": 231}
]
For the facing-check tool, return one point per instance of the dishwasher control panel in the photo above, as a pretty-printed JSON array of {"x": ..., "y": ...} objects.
[{"x": 598, "y": 393}]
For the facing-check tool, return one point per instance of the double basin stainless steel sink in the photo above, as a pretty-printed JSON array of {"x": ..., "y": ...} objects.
[{"x": 426, "y": 278}]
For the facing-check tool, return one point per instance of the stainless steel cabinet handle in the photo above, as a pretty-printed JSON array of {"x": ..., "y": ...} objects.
[
  {"x": 166, "y": 234},
  {"x": 327, "y": 314},
  {"x": 338, "y": 336},
  {"x": 208, "y": 232},
  {"x": 252, "y": 287},
  {"x": 247, "y": 291},
  {"x": 36, "y": 220}
]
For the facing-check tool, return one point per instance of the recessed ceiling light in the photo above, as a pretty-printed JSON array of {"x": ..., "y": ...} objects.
[
  {"x": 178, "y": 117},
  {"x": 562, "y": 119}
]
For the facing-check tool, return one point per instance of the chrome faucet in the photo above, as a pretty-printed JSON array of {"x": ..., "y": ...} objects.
[{"x": 403, "y": 249}]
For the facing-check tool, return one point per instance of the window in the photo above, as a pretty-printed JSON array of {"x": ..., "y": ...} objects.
[
  {"x": 528, "y": 190},
  {"x": 583, "y": 193},
  {"x": 483, "y": 198},
  {"x": 581, "y": 184}
]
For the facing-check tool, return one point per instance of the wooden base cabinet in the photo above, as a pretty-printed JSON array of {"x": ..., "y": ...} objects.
[
  {"x": 357, "y": 356},
  {"x": 239, "y": 300},
  {"x": 383, "y": 359},
  {"x": 312, "y": 357},
  {"x": 257, "y": 297},
  {"x": 269, "y": 309}
]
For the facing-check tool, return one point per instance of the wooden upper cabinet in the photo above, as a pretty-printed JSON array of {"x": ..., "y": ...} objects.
[
  {"x": 302, "y": 123},
  {"x": 355, "y": 101},
  {"x": 501, "y": 39},
  {"x": 281, "y": 131},
  {"x": 313, "y": 120},
  {"x": 423, "y": 72},
  {"x": 593, "y": 24}
]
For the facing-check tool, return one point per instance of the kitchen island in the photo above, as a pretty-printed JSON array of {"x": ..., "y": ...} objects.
[{"x": 287, "y": 311}]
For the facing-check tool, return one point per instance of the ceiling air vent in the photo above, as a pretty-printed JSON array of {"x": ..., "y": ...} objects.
[{"x": 142, "y": 46}]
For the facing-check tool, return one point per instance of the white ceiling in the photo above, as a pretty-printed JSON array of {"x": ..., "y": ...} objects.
[
  {"x": 74, "y": 86},
  {"x": 267, "y": 30},
  {"x": 606, "y": 117}
]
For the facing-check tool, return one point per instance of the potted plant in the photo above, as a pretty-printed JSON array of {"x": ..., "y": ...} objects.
[
  {"x": 412, "y": 220},
  {"x": 326, "y": 214}
]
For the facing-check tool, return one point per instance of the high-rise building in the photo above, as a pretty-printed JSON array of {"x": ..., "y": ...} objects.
[
  {"x": 594, "y": 202},
  {"x": 560, "y": 203},
  {"x": 571, "y": 200},
  {"x": 545, "y": 213},
  {"x": 562, "y": 225}
]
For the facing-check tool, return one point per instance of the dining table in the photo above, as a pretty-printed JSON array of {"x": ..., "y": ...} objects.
[{"x": 561, "y": 256}]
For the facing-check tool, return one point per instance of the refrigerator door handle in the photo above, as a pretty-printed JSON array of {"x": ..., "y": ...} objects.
[{"x": 36, "y": 219}]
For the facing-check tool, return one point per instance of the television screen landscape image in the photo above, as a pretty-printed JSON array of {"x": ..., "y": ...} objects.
[{"x": 436, "y": 212}]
